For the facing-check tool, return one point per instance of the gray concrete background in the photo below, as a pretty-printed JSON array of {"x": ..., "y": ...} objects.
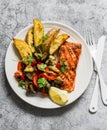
[{"x": 15, "y": 114}]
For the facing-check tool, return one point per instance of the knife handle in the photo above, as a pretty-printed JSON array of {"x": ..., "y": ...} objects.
[
  {"x": 103, "y": 87},
  {"x": 94, "y": 101}
]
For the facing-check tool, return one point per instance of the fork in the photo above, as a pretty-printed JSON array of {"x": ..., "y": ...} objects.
[{"x": 94, "y": 101}]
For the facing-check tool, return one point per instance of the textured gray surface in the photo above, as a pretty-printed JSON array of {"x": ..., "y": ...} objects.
[{"x": 14, "y": 16}]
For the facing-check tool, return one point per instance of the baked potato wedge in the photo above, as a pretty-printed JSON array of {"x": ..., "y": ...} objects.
[
  {"x": 38, "y": 32},
  {"x": 22, "y": 47},
  {"x": 57, "y": 42},
  {"x": 29, "y": 39},
  {"x": 51, "y": 35}
]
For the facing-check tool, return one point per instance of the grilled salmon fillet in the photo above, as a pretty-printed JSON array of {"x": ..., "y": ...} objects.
[{"x": 69, "y": 52}]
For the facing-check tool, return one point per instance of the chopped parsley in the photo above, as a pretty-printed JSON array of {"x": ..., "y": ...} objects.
[
  {"x": 63, "y": 66},
  {"x": 41, "y": 82},
  {"x": 44, "y": 38},
  {"x": 22, "y": 84},
  {"x": 41, "y": 66},
  {"x": 30, "y": 59}
]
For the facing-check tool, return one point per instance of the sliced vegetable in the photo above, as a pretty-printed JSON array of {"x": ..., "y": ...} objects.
[
  {"x": 38, "y": 32},
  {"x": 58, "y": 65},
  {"x": 57, "y": 82},
  {"x": 24, "y": 60},
  {"x": 41, "y": 67},
  {"x": 53, "y": 68},
  {"x": 19, "y": 75},
  {"x": 51, "y": 60},
  {"x": 50, "y": 73},
  {"x": 52, "y": 77},
  {"x": 29, "y": 68},
  {"x": 57, "y": 42},
  {"x": 35, "y": 80},
  {"x": 31, "y": 88},
  {"x": 44, "y": 93},
  {"x": 29, "y": 75},
  {"x": 20, "y": 66},
  {"x": 44, "y": 56},
  {"x": 22, "y": 47},
  {"x": 34, "y": 63},
  {"x": 38, "y": 56}
]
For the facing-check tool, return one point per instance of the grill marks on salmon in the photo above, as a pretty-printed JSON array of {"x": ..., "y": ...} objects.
[{"x": 69, "y": 52}]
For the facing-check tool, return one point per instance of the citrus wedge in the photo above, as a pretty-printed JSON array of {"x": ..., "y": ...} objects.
[{"x": 58, "y": 96}]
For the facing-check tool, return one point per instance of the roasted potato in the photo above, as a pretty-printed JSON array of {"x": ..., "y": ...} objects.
[
  {"x": 38, "y": 32},
  {"x": 29, "y": 68},
  {"x": 22, "y": 47},
  {"x": 57, "y": 42},
  {"x": 51, "y": 35},
  {"x": 29, "y": 39}
]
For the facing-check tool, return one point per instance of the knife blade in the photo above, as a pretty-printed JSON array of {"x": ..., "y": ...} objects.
[
  {"x": 98, "y": 58},
  {"x": 103, "y": 86},
  {"x": 99, "y": 51}
]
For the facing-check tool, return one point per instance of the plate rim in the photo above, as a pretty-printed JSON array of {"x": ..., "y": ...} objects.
[{"x": 80, "y": 36}]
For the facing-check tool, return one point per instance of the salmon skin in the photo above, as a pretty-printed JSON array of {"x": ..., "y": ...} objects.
[{"x": 69, "y": 52}]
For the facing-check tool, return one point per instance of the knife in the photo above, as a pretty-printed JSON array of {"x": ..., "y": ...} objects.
[{"x": 98, "y": 58}]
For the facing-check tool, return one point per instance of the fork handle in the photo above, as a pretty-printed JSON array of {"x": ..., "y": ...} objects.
[{"x": 94, "y": 100}]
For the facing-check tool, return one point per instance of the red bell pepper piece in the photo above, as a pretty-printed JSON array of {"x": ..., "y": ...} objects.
[
  {"x": 35, "y": 80},
  {"x": 34, "y": 63},
  {"x": 50, "y": 72},
  {"x": 20, "y": 66},
  {"x": 58, "y": 65},
  {"x": 40, "y": 62},
  {"x": 19, "y": 75},
  {"x": 53, "y": 77},
  {"x": 44, "y": 93}
]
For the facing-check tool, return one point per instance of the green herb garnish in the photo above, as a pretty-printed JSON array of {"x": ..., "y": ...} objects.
[
  {"x": 63, "y": 66},
  {"x": 41, "y": 82},
  {"x": 45, "y": 37},
  {"x": 22, "y": 84},
  {"x": 41, "y": 66},
  {"x": 30, "y": 59},
  {"x": 39, "y": 54}
]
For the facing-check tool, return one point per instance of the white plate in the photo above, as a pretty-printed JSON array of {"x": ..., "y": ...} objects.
[{"x": 84, "y": 69}]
